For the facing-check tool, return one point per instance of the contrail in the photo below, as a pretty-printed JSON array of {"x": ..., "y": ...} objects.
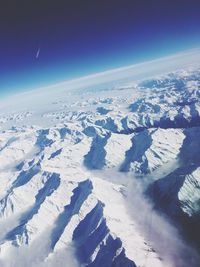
[{"x": 38, "y": 53}]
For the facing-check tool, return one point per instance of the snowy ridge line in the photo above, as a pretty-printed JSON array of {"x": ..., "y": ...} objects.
[{"x": 79, "y": 175}]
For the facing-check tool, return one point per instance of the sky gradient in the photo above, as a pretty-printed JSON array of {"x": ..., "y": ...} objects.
[{"x": 44, "y": 41}]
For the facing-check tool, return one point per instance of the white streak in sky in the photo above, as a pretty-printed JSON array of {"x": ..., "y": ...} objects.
[{"x": 38, "y": 53}]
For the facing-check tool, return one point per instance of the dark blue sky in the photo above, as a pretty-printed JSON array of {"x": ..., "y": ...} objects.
[{"x": 79, "y": 37}]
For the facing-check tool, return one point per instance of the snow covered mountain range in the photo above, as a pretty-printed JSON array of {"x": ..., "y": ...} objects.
[{"x": 103, "y": 178}]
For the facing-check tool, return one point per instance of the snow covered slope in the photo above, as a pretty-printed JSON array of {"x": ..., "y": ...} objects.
[{"x": 87, "y": 175}]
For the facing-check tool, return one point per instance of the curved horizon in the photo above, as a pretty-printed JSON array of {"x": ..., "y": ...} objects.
[
  {"x": 141, "y": 69},
  {"x": 43, "y": 43}
]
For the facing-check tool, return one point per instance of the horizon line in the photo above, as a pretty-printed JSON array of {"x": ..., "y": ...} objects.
[{"x": 106, "y": 72}]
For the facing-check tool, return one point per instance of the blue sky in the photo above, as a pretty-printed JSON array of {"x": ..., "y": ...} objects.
[{"x": 78, "y": 38}]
